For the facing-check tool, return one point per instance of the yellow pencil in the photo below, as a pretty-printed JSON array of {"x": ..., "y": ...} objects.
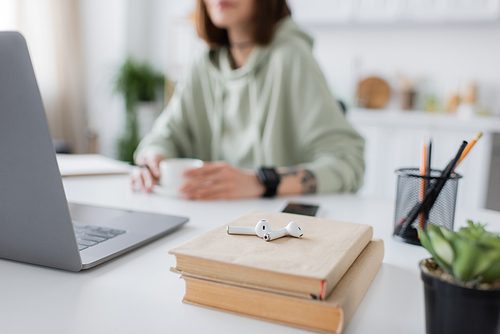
[
  {"x": 468, "y": 147},
  {"x": 423, "y": 172}
]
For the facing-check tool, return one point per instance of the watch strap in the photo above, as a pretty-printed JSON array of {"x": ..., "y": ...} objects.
[{"x": 270, "y": 178}]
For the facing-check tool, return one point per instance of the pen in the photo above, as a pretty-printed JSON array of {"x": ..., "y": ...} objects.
[
  {"x": 429, "y": 172},
  {"x": 429, "y": 154},
  {"x": 469, "y": 146}
]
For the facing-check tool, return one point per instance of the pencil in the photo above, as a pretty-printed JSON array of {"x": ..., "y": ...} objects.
[
  {"x": 469, "y": 146},
  {"x": 423, "y": 172}
]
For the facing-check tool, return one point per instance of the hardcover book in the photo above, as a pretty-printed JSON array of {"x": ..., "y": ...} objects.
[
  {"x": 308, "y": 267},
  {"x": 328, "y": 316}
]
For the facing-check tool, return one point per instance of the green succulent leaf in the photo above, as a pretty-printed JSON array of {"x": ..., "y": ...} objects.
[
  {"x": 483, "y": 263},
  {"x": 492, "y": 273},
  {"x": 424, "y": 240},
  {"x": 449, "y": 235},
  {"x": 442, "y": 247},
  {"x": 494, "y": 254},
  {"x": 426, "y": 243},
  {"x": 434, "y": 229},
  {"x": 470, "y": 260},
  {"x": 489, "y": 239},
  {"x": 466, "y": 234}
]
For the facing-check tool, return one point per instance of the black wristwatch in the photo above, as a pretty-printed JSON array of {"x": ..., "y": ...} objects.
[{"x": 270, "y": 179}]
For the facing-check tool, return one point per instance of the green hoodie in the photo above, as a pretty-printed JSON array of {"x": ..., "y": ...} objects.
[{"x": 276, "y": 110}]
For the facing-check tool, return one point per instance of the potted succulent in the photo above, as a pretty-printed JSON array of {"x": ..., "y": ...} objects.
[
  {"x": 137, "y": 82},
  {"x": 461, "y": 281}
]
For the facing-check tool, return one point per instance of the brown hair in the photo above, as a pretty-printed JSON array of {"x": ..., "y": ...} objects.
[{"x": 267, "y": 14}]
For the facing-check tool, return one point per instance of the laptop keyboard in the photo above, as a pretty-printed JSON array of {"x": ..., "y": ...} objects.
[{"x": 91, "y": 235}]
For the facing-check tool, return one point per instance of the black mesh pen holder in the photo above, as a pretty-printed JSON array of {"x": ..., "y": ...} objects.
[{"x": 411, "y": 189}]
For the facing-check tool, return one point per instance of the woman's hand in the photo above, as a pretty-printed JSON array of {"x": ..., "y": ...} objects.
[
  {"x": 144, "y": 178},
  {"x": 219, "y": 180}
]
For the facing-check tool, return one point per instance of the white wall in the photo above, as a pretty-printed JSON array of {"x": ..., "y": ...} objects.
[
  {"x": 114, "y": 29},
  {"x": 173, "y": 37},
  {"x": 439, "y": 57},
  {"x": 105, "y": 44}
]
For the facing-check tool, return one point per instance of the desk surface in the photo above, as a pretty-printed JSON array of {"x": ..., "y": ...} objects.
[{"x": 136, "y": 293}]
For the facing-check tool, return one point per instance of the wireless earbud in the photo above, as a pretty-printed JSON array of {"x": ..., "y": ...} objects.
[
  {"x": 260, "y": 229},
  {"x": 292, "y": 229}
]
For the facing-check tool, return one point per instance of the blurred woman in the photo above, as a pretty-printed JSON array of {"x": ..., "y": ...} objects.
[{"x": 256, "y": 108}]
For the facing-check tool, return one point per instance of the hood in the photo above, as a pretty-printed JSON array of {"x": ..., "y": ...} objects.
[{"x": 286, "y": 31}]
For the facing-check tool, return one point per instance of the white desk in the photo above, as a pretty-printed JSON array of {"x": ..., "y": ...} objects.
[{"x": 136, "y": 293}]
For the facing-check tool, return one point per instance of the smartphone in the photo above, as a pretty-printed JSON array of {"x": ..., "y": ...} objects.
[{"x": 301, "y": 209}]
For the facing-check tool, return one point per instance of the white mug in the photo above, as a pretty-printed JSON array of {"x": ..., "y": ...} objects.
[{"x": 171, "y": 171}]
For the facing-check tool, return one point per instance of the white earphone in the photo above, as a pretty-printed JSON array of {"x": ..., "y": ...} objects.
[
  {"x": 260, "y": 229},
  {"x": 292, "y": 229}
]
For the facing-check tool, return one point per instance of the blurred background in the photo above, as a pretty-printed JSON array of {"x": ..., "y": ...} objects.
[{"x": 405, "y": 69}]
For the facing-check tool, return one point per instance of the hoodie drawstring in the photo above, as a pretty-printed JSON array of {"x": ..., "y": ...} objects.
[
  {"x": 255, "y": 119},
  {"x": 217, "y": 121}
]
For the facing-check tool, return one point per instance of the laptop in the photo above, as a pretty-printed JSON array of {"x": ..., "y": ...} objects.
[{"x": 37, "y": 225}]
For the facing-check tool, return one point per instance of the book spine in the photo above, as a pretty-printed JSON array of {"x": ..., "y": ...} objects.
[{"x": 357, "y": 246}]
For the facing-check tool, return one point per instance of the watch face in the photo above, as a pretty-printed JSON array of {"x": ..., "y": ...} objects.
[
  {"x": 270, "y": 175},
  {"x": 270, "y": 179}
]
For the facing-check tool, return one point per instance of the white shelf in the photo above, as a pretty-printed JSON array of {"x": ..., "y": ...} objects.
[
  {"x": 367, "y": 12},
  {"x": 423, "y": 120}
]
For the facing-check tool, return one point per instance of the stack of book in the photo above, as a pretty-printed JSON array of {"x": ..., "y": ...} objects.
[{"x": 315, "y": 282}]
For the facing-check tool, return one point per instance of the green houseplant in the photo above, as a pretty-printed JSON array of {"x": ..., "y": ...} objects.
[
  {"x": 136, "y": 82},
  {"x": 462, "y": 280}
]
